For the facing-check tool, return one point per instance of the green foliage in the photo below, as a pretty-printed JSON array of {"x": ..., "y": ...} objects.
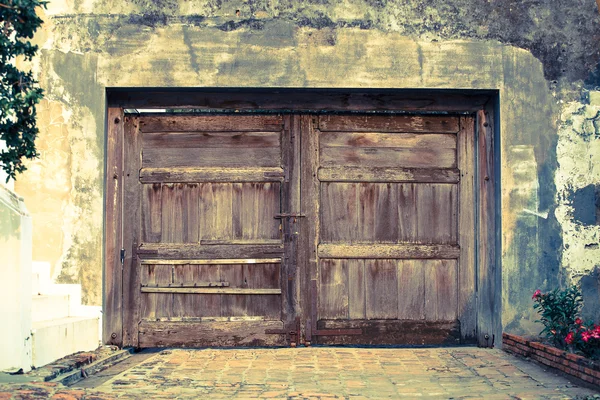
[
  {"x": 558, "y": 309},
  {"x": 19, "y": 91}
]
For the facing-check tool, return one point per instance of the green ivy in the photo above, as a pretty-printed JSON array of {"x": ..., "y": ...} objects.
[{"x": 19, "y": 91}]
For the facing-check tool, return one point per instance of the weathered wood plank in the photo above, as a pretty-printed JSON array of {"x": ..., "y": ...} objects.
[
  {"x": 408, "y": 332},
  {"x": 208, "y": 333},
  {"x": 113, "y": 182},
  {"x": 208, "y": 174},
  {"x": 382, "y": 289},
  {"x": 195, "y": 252},
  {"x": 467, "y": 313},
  {"x": 131, "y": 228},
  {"x": 180, "y": 282},
  {"x": 254, "y": 206},
  {"x": 333, "y": 289},
  {"x": 210, "y": 157},
  {"x": 407, "y": 212},
  {"x": 310, "y": 225},
  {"x": 388, "y": 157},
  {"x": 151, "y": 212},
  {"x": 356, "y": 288},
  {"x": 214, "y": 262},
  {"x": 389, "y": 123},
  {"x": 262, "y": 278},
  {"x": 411, "y": 289},
  {"x": 211, "y": 123},
  {"x": 389, "y": 251},
  {"x": 392, "y": 140},
  {"x": 441, "y": 291},
  {"x": 388, "y": 174},
  {"x": 234, "y": 305},
  {"x": 377, "y": 213},
  {"x": 437, "y": 208},
  {"x": 488, "y": 307},
  {"x": 220, "y": 140},
  {"x": 216, "y": 211},
  {"x": 304, "y": 100},
  {"x": 214, "y": 290},
  {"x": 339, "y": 211}
]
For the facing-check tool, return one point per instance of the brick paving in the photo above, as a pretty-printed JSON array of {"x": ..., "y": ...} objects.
[{"x": 322, "y": 373}]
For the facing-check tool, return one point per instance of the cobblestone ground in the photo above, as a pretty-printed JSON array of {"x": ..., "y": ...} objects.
[{"x": 324, "y": 372}]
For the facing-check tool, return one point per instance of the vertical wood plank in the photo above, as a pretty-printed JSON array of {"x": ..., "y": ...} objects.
[
  {"x": 112, "y": 330},
  {"x": 377, "y": 212},
  {"x": 263, "y": 276},
  {"x": 407, "y": 213},
  {"x": 207, "y": 305},
  {"x": 356, "y": 289},
  {"x": 215, "y": 211},
  {"x": 488, "y": 307},
  {"x": 333, "y": 289},
  {"x": 233, "y": 305},
  {"x": 254, "y": 206},
  {"x": 310, "y": 225},
  {"x": 151, "y": 212},
  {"x": 148, "y": 300},
  {"x": 427, "y": 218},
  {"x": 290, "y": 203},
  {"x": 466, "y": 228},
  {"x": 441, "y": 292},
  {"x": 382, "y": 289},
  {"x": 132, "y": 192},
  {"x": 411, "y": 289},
  {"x": 339, "y": 212}
]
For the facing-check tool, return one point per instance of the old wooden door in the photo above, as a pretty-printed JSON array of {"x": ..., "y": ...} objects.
[
  {"x": 390, "y": 229},
  {"x": 238, "y": 227},
  {"x": 204, "y": 243}
]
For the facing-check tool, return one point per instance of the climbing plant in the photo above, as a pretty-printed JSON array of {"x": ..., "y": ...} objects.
[{"x": 19, "y": 91}]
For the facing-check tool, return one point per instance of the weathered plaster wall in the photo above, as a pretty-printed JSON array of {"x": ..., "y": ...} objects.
[
  {"x": 578, "y": 183},
  {"x": 535, "y": 53}
]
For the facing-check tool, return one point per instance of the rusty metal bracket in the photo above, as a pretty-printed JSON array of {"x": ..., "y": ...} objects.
[{"x": 292, "y": 333}]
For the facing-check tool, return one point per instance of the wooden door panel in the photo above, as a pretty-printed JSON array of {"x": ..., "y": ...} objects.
[
  {"x": 210, "y": 249},
  {"x": 389, "y": 213},
  {"x": 389, "y": 253}
]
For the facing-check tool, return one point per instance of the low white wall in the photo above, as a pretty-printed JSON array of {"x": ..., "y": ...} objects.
[{"x": 15, "y": 285}]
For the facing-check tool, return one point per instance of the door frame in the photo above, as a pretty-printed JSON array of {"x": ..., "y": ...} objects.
[{"x": 484, "y": 104}]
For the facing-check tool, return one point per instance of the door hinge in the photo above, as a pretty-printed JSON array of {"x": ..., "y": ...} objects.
[{"x": 122, "y": 256}]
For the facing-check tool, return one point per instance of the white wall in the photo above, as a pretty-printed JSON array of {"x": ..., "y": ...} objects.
[{"x": 15, "y": 285}]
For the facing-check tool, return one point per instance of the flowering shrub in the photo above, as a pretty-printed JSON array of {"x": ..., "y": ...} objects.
[{"x": 559, "y": 310}]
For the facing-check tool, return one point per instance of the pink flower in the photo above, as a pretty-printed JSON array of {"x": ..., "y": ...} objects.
[
  {"x": 570, "y": 337},
  {"x": 536, "y": 294},
  {"x": 585, "y": 336},
  {"x": 578, "y": 321}
]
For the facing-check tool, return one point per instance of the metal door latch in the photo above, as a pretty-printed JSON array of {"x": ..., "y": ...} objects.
[{"x": 122, "y": 256}]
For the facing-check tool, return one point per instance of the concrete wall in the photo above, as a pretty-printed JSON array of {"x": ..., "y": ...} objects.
[
  {"x": 15, "y": 285},
  {"x": 541, "y": 58}
]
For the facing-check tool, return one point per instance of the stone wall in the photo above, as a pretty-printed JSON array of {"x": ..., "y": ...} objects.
[{"x": 541, "y": 57}]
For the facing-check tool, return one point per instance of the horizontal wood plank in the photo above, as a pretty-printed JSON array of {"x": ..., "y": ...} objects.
[
  {"x": 389, "y": 123},
  {"x": 193, "y": 251},
  {"x": 209, "y": 333},
  {"x": 211, "y": 157},
  {"x": 214, "y": 262},
  {"x": 303, "y": 99},
  {"x": 378, "y": 139},
  {"x": 388, "y": 174},
  {"x": 195, "y": 285},
  {"x": 207, "y": 290},
  {"x": 388, "y": 157},
  {"x": 211, "y": 123},
  {"x": 221, "y": 140},
  {"x": 406, "y": 332},
  {"x": 388, "y": 251},
  {"x": 208, "y": 174}
]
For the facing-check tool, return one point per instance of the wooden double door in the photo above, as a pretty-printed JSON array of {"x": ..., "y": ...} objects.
[{"x": 271, "y": 230}]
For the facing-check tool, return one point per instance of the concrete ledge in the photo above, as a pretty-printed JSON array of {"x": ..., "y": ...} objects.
[{"x": 569, "y": 363}]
